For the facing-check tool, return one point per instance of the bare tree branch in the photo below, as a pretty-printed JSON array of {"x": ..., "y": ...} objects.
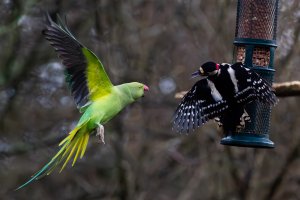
[
  {"x": 291, "y": 157},
  {"x": 285, "y": 89}
]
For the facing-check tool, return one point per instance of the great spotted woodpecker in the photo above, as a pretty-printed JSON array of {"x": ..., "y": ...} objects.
[{"x": 222, "y": 95}]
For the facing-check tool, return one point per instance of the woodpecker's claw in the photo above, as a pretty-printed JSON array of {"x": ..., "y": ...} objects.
[{"x": 100, "y": 133}]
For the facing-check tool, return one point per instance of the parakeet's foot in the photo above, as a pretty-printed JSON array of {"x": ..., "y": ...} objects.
[{"x": 100, "y": 133}]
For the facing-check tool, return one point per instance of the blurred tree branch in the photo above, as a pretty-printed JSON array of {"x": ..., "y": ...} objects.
[
  {"x": 285, "y": 89},
  {"x": 294, "y": 45},
  {"x": 22, "y": 147},
  {"x": 15, "y": 82},
  {"x": 277, "y": 181},
  {"x": 242, "y": 182}
]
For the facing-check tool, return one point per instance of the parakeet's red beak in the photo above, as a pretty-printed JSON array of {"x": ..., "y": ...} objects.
[{"x": 146, "y": 88}]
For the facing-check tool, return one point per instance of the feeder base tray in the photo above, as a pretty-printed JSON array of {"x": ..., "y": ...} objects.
[{"x": 248, "y": 140}]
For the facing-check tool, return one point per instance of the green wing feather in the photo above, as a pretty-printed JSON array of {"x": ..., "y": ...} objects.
[
  {"x": 98, "y": 82},
  {"x": 85, "y": 74}
]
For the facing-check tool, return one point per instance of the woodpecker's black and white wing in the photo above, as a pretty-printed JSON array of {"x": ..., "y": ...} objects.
[
  {"x": 202, "y": 103},
  {"x": 251, "y": 86},
  {"x": 264, "y": 91}
]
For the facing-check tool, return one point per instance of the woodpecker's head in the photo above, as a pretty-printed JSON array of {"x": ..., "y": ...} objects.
[{"x": 207, "y": 69}]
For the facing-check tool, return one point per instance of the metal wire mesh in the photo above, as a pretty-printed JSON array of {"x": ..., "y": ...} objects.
[
  {"x": 259, "y": 112},
  {"x": 255, "y": 41},
  {"x": 240, "y": 54},
  {"x": 260, "y": 55},
  {"x": 257, "y": 19}
]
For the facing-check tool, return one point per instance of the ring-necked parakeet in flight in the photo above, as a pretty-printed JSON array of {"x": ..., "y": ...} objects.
[{"x": 96, "y": 97}]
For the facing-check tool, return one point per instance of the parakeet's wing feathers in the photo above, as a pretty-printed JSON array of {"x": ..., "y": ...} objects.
[
  {"x": 197, "y": 107},
  {"x": 253, "y": 87},
  {"x": 84, "y": 72}
]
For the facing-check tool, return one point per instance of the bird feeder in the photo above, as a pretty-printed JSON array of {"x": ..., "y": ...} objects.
[{"x": 255, "y": 44}]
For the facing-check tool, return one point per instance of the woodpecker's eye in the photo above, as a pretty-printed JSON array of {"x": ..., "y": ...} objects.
[{"x": 201, "y": 70}]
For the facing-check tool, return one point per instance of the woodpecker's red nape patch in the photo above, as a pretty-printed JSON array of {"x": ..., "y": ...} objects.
[{"x": 217, "y": 66}]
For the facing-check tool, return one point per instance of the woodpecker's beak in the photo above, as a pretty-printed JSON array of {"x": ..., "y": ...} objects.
[
  {"x": 196, "y": 74},
  {"x": 146, "y": 88}
]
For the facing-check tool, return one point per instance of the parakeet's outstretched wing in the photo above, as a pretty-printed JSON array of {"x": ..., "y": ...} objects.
[
  {"x": 198, "y": 106},
  {"x": 84, "y": 72},
  {"x": 253, "y": 87}
]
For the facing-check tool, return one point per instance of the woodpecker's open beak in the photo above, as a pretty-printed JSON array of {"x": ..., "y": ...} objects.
[
  {"x": 196, "y": 74},
  {"x": 146, "y": 88}
]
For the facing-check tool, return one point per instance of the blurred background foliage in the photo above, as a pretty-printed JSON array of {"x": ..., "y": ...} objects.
[{"x": 158, "y": 43}]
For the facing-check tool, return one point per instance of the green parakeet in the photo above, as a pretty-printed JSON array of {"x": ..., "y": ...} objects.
[{"x": 96, "y": 97}]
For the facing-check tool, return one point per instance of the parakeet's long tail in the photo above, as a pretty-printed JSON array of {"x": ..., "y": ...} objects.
[{"x": 74, "y": 143}]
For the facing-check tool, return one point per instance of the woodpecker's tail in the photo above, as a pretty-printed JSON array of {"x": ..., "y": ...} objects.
[{"x": 76, "y": 141}]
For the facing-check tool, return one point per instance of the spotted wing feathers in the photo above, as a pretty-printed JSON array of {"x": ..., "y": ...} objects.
[
  {"x": 253, "y": 87},
  {"x": 264, "y": 91},
  {"x": 197, "y": 107}
]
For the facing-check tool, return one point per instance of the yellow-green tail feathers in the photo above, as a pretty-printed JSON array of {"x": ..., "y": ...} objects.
[{"x": 73, "y": 145}]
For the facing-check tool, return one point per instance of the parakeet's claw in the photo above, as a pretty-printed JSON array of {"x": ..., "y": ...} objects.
[{"x": 100, "y": 133}]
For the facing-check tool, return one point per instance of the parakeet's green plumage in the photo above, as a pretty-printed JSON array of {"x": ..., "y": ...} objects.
[{"x": 93, "y": 92}]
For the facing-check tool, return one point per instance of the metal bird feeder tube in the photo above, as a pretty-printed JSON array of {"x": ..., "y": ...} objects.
[{"x": 255, "y": 44}]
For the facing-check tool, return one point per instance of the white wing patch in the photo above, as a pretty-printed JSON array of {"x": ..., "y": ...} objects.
[
  {"x": 225, "y": 64},
  {"x": 214, "y": 92},
  {"x": 233, "y": 79}
]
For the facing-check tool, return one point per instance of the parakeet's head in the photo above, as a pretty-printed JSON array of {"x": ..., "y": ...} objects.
[
  {"x": 137, "y": 89},
  {"x": 207, "y": 69}
]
